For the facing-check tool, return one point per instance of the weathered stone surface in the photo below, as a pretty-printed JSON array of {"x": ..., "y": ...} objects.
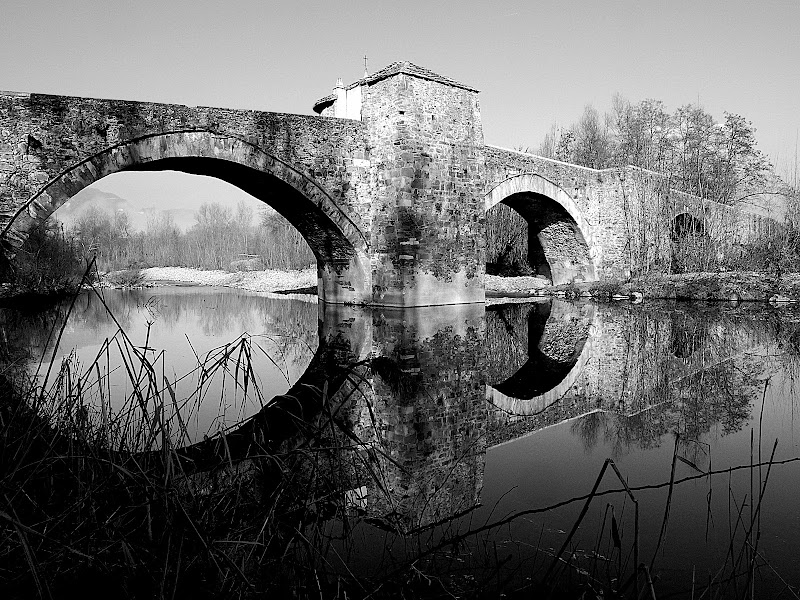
[
  {"x": 300, "y": 165},
  {"x": 392, "y": 199},
  {"x": 427, "y": 149},
  {"x": 604, "y": 224}
]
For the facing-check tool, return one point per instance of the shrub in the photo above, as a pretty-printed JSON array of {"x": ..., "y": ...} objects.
[
  {"x": 605, "y": 289},
  {"x": 126, "y": 278},
  {"x": 47, "y": 262}
]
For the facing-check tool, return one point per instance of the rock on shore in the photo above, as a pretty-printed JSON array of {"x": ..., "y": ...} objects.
[
  {"x": 735, "y": 285},
  {"x": 724, "y": 286}
]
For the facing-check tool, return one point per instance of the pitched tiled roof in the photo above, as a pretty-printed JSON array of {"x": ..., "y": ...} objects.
[
  {"x": 409, "y": 68},
  {"x": 404, "y": 66}
]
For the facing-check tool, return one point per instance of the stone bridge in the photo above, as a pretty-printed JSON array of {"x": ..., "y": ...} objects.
[{"x": 389, "y": 185}]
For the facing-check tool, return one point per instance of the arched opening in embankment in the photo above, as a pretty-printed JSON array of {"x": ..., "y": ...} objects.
[
  {"x": 336, "y": 242},
  {"x": 535, "y": 228},
  {"x": 690, "y": 243}
]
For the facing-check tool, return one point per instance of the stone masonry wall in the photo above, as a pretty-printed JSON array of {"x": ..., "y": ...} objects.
[
  {"x": 426, "y": 144},
  {"x": 629, "y": 211},
  {"x": 598, "y": 194},
  {"x": 43, "y": 136}
]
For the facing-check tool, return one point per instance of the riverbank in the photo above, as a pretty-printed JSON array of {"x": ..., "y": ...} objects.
[
  {"x": 254, "y": 281},
  {"x": 734, "y": 286},
  {"x": 737, "y": 286}
]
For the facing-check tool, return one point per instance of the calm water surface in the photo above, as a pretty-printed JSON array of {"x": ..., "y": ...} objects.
[{"x": 473, "y": 434}]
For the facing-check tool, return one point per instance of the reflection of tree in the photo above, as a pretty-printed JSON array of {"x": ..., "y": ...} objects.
[
  {"x": 650, "y": 371},
  {"x": 589, "y": 427},
  {"x": 217, "y": 312},
  {"x": 687, "y": 334},
  {"x": 720, "y": 395},
  {"x": 621, "y": 432},
  {"x": 691, "y": 406}
]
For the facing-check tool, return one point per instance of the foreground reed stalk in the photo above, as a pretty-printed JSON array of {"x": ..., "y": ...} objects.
[{"x": 123, "y": 497}]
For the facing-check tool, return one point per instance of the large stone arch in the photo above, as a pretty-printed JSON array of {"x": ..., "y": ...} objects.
[
  {"x": 553, "y": 217},
  {"x": 339, "y": 245}
]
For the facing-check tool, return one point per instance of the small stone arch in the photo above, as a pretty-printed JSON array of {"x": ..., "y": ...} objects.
[
  {"x": 335, "y": 239},
  {"x": 685, "y": 224},
  {"x": 564, "y": 234}
]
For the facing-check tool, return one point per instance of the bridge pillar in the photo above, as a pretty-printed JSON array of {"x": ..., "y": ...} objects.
[{"x": 425, "y": 143}]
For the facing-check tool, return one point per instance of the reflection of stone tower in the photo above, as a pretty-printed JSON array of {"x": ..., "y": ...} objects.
[{"x": 425, "y": 416}]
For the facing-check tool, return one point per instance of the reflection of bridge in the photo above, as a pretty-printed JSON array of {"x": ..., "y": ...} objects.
[
  {"x": 389, "y": 185},
  {"x": 634, "y": 360},
  {"x": 407, "y": 391},
  {"x": 417, "y": 395}
]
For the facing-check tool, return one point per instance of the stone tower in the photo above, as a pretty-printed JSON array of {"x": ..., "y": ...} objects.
[{"x": 426, "y": 159}]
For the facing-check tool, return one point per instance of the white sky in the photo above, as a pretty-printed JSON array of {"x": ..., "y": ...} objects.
[{"x": 534, "y": 62}]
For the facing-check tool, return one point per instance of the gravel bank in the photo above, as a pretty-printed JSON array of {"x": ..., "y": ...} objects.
[
  {"x": 726, "y": 286},
  {"x": 254, "y": 281},
  {"x": 497, "y": 285},
  {"x": 740, "y": 286}
]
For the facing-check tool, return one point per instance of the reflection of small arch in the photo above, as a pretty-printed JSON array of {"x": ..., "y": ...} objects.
[
  {"x": 333, "y": 375},
  {"x": 559, "y": 237},
  {"x": 554, "y": 360}
]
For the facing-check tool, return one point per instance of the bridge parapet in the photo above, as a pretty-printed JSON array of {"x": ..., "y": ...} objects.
[
  {"x": 628, "y": 213},
  {"x": 391, "y": 205},
  {"x": 391, "y": 199}
]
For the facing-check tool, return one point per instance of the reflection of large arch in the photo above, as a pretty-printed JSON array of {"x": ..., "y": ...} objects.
[
  {"x": 555, "y": 222},
  {"x": 283, "y": 421},
  {"x": 334, "y": 372},
  {"x": 335, "y": 240},
  {"x": 558, "y": 345}
]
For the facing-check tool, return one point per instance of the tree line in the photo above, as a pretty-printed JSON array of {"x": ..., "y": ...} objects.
[
  {"x": 716, "y": 160},
  {"x": 218, "y": 238},
  {"x": 54, "y": 257},
  {"x": 694, "y": 153}
]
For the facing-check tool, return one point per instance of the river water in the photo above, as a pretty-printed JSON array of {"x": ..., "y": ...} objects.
[{"x": 468, "y": 438}]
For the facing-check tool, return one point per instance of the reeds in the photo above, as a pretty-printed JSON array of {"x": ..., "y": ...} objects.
[
  {"x": 123, "y": 499},
  {"x": 99, "y": 488}
]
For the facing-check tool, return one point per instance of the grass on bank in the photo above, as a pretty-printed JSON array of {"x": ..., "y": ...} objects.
[{"x": 99, "y": 502}]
